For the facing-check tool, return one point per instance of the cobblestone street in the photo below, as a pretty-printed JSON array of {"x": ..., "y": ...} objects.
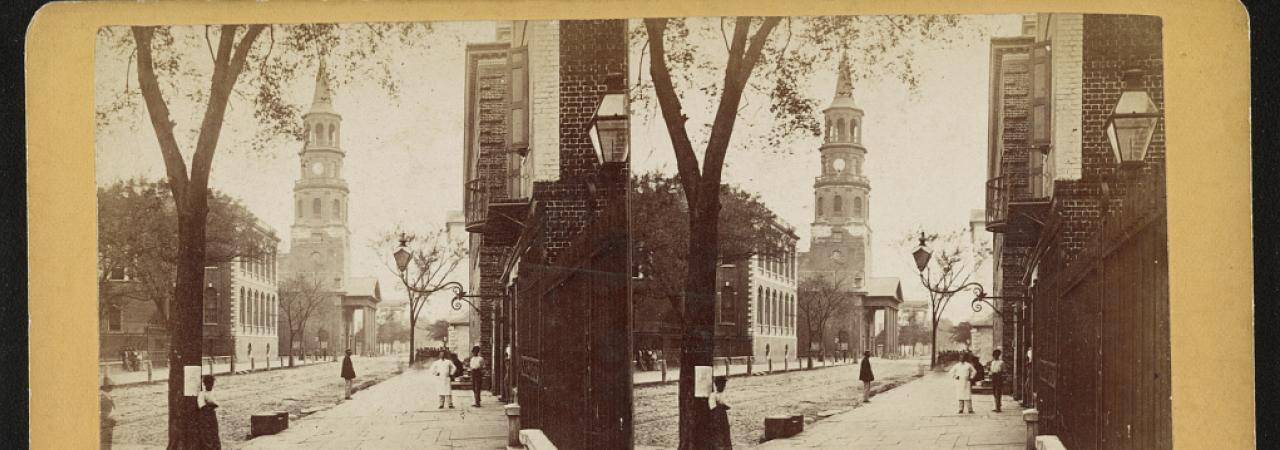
[
  {"x": 142, "y": 415},
  {"x": 918, "y": 415},
  {"x": 809, "y": 392},
  {"x": 399, "y": 413}
]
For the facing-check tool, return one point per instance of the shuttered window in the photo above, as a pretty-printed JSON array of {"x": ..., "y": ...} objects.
[
  {"x": 1041, "y": 95},
  {"x": 518, "y": 99}
]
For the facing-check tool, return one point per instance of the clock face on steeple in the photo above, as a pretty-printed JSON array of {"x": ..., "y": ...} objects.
[
  {"x": 839, "y": 165},
  {"x": 316, "y": 168}
]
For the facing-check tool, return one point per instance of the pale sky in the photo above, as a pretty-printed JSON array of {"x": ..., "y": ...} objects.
[{"x": 926, "y": 149}]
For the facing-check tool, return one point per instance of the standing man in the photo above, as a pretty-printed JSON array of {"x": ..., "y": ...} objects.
[
  {"x": 997, "y": 377},
  {"x": 348, "y": 373},
  {"x": 107, "y": 421},
  {"x": 866, "y": 376},
  {"x": 476, "y": 365}
]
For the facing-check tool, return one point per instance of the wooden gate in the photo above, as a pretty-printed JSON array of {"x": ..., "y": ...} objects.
[
  {"x": 1102, "y": 331},
  {"x": 573, "y": 338}
]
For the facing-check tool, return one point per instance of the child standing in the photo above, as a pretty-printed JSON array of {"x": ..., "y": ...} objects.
[{"x": 720, "y": 435}]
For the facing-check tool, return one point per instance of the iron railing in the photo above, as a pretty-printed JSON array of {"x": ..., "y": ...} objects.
[
  {"x": 998, "y": 193},
  {"x": 477, "y": 205}
]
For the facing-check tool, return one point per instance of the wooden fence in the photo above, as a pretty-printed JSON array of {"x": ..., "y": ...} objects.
[
  {"x": 1101, "y": 330},
  {"x": 573, "y": 338}
]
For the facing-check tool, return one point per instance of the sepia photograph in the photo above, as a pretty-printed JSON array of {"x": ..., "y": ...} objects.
[
  {"x": 900, "y": 232},
  {"x": 843, "y": 231},
  {"x": 363, "y": 235}
]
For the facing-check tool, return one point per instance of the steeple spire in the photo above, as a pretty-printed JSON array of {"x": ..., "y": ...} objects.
[
  {"x": 844, "y": 86},
  {"x": 323, "y": 99}
]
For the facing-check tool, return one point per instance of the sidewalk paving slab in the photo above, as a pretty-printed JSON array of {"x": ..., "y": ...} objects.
[
  {"x": 399, "y": 413},
  {"x": 918, "y": 415}
]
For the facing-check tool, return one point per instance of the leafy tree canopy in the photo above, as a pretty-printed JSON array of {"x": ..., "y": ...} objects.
[
  {"x": 747, "y": 228},
  {"x": 137, "y": 234}
]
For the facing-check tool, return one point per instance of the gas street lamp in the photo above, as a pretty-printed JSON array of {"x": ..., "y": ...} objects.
[
  {"x": 402, "y": 256},
  {"x": 1133, "y": 121},
  {"x": 608, "y": 128},
  {"x": 923, "y": 254}
]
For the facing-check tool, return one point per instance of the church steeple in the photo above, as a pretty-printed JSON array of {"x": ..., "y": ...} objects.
[
  {"x": 322, "y": 100},
  {"x": 844, "y": 82},
  {"x": 844, "y": 86}
]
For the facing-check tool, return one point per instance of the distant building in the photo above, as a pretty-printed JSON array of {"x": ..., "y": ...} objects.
[
  {"x": 840, "y": 240},
  {"x": 756, "y": 302},
  {"x": 238, "y": 310},
  {"x": 320, "y": 241}
]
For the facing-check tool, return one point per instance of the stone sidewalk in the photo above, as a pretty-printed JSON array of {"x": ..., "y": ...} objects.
[
  {"x": 917, "y": 415},
  {"x": 399, "y": 413}
]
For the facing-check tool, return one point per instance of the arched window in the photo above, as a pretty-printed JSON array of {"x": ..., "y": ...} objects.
[
  {"x": 857, "y": 207},
  {"x": 244, "y": 305},
  {"x": 337, "y": 209},
  {"x": 315, "y": 208},
  {"x": 857, "y": 131},
  {"x": 760, "y": 308},
  {"x": 822, "y": 205},
  {"x": 333, "y": 134},
  {"x": 843, "y": 134},
  {"x": 838, "y": 206},
  {"x": 311, "y": 135}
]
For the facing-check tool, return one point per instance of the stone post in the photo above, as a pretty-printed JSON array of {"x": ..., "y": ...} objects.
[
  {"x": 513, "y": 425},
  {"x": 750, "y": 359},
  {"x": 663, "y": 365},
  {"x": 148, "y": 370},
  {"x": 1032, "y": 418}
]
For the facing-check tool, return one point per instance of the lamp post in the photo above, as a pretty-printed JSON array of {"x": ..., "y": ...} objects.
[
  {"x": 402, "y": 256},
  {"x": 923, "y": 254}
]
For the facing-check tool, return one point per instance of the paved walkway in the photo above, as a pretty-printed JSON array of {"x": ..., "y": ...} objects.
[
  {"x": 399, "y": 413},
  {"x": 917, "y": 415}
]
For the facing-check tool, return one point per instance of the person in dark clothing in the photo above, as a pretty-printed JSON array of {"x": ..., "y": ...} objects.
[
  {"x": 720, "y": 437},
  {"x": 208, "y": 419},
  {"x": 348, "y": 373},
  {"x": 866, "y": 376},
  {"x": 997, "y": 378},
  {"x": 107, "y": 420}
]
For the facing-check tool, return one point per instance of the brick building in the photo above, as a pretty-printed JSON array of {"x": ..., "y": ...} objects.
[
  {"x": 239, "y": 311},
  {"x": 546, "y": 211},
  {"x": 756, "y": 302},
  {"x": 1080, "y": 241},
  {"x": 840, "y": 242}
]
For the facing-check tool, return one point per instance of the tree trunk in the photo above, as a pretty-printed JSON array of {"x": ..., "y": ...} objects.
[
  {"x": 699, "y": 313},
  {"x": 933, "y": 346},
  {"x": 413, "y": 325},
  {"x": 186, "y": 324}
]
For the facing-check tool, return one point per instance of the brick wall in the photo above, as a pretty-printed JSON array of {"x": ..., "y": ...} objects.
[
  {"x": 1066, "y": 34},
  {"x": 1111, "y": 45},
  {"x": 585, "y": 59},
  {"x": 544, "y": 74},
  {"x": 490, "y": 78}
]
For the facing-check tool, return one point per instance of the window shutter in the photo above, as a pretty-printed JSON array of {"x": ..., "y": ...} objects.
[
  {"x": 518, "y": 99},
  {"x": 1041, "y": 96}
]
